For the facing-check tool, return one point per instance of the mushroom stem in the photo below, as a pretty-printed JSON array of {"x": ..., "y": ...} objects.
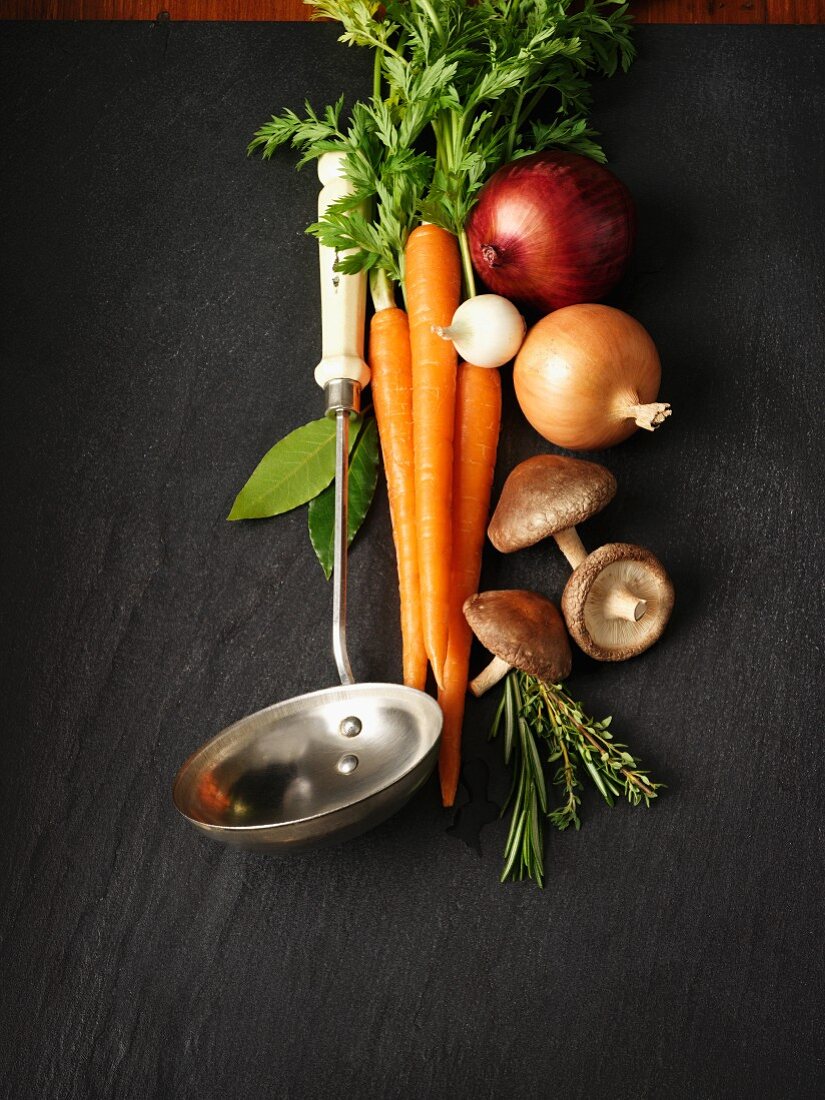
[
  {"x": 620, "y": 603},
  {"x": 490, "y": 676},
  {"x": 571, "y": 546},
  {"x": 649, "y": 417}
]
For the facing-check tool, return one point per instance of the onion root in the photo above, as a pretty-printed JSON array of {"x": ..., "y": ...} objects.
[{"x": 650, "y": 417}]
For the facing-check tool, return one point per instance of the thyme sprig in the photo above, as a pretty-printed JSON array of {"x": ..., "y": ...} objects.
[{"x": 531, "y": 714}]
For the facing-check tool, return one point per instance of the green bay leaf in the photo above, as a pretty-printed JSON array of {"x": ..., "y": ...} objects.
[
  {"x": 296, "y": 469},
  {"x": 363, "y": 477}
]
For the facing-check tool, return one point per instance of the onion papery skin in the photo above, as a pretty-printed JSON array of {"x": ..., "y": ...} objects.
[
  {"x": 578, "y": 372},
  {"x": 552, "y": 229}
]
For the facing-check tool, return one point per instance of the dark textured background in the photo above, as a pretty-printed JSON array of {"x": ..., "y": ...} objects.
[{"x": 159, "y": 333}]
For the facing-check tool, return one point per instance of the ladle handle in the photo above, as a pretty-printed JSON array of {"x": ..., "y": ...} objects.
[
  {"x": 343, "y": 373},
  {"x": 341, "y": 540},
  {"x": 343, "y": 297}
]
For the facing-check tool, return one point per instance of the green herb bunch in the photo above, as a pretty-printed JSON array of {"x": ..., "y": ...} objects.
[
  {"x": 459, "y": 88},
  {"x": 542, "y": 725}
]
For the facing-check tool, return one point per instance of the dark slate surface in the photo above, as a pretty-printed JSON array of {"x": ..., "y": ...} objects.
[{"x": 159, "y": 334}]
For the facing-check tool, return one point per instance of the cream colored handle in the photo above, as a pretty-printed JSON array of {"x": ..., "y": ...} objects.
[{"x": 343, "y": 297}]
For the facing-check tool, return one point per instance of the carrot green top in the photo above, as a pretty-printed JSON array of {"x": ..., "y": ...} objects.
[{"x": 473, "y": 73}]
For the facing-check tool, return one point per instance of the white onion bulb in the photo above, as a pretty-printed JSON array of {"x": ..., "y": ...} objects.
[{"x": 487, "y": 330}]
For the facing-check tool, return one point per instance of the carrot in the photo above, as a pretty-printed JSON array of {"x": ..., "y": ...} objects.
[
  {"x": 392, "y": 399},
  {"x": 477, "y": 422},
  {"x": 433, "y": 289}
]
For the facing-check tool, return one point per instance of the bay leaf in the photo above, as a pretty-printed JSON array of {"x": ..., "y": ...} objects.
[
  {"x": 363, "y": 477},
  {"x": 296, "y": 469}
]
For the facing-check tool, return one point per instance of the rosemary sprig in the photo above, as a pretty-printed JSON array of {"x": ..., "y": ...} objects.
[
  {"x": 523, "y": 849},
  {"x": 532, "y": 713}
]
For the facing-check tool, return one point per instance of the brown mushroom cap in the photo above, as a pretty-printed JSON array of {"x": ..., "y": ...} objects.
[
  {"x": 547, "y": 494},
  {"x": 615, "y": 565},
  {"x": 522, "y": 628}
]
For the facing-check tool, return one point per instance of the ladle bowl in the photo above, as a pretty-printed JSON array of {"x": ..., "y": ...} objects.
[{"x": 317, "y": 769}]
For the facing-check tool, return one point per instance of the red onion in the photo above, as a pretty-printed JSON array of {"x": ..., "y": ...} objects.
[{"x": 552, "y": 229}]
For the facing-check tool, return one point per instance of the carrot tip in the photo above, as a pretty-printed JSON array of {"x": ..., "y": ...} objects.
[{"x": 448, "y": 779}]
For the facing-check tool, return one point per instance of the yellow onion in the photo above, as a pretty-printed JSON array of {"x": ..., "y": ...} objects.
[{"x": 587, "y": 376}]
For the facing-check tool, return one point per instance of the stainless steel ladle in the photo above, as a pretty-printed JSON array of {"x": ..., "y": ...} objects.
[{"x": 326, "y": 766}]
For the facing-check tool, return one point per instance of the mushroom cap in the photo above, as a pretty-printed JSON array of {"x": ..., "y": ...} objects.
[
  {"x": 613, "y": 565},
  {"x": 524, "y": 629},
  {"x": 547, "y": 494}
]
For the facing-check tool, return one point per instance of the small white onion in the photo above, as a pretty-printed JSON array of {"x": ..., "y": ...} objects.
[{"x": 487, "y": 330}]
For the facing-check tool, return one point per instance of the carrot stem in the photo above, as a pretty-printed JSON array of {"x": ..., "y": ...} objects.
[{"x": 467, "y": 265}]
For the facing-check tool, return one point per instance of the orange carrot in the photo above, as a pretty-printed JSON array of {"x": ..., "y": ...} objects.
[
  {"x": 477, "y": 422},
  {"x": 392, "y": 399},
  {"x": 433, "y": 286}
]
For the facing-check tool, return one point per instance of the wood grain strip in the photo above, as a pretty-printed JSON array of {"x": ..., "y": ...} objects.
[
  {"x": 646, "y": 11},
  {"x": 702, "y": 11},
  {"x": 229, "y": 10}
]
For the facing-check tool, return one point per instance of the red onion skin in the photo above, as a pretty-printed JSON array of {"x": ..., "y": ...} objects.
[{"x": 552, "y": 229}]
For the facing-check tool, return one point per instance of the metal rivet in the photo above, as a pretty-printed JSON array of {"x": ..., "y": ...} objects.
[
  {"x": 347, "y": 764},
  {"x": 350, "y": 727}
]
